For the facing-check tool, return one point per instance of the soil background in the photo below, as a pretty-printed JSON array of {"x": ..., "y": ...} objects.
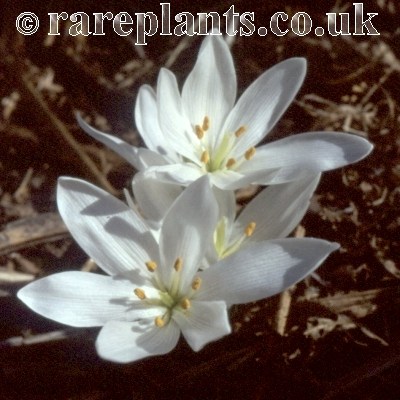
[{"x": 333, "y": 336}]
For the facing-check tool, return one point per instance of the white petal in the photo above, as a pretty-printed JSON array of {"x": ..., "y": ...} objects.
[
  {"x": 124, "y": 149},
  {"x": 264, "y": 102},
  {"x": 226, "y": 204},
  {"x": 210, "y": 88},
  {"x": 232, "y": 180},
  {"x": 227, "y": 179},
  {"x": 146, "y": 118},
  {"x": 178, "y": 174},
  {"x": 124, "y": 342},
  {"x": 84, "y": 299},
  {"x": 263, "y": 269},
  {"x": 306, "y": 154},
  {"x": 106, "y": 228},
  {"x": 203, "y": 322},
  {"x": 154, "y": 197},
  {"x": 187, "y": 231},
  {"x": 149, "y": 158},
  {"x": 226, "y": 216},
  {"x": 185, "y": 174},
  {"x": 277, "y": 210},
  {"x": 173, "y": 122}
]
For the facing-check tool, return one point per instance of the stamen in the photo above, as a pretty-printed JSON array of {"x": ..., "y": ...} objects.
[
  {"x": 140, "y": 293},
  {"x": 178, "y": 264},
  {"x": 199, "y": 131},
  {"x": 249, "y": 230},
  {"x": 196, "y": 283},
  {"x": 205, "y": 157},
  {"x": 250, "y": 153},
  {"x": 239, "y": 132},
  {"x": 159, "y": 322},
  {"x": 231, "y": 162},
  {"x": 206, "y": 123},
  {"x": 185, "y": 304},
  {"x": 151, "y": 265}
]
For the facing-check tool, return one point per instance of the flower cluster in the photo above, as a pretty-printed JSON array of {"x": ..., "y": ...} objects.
[{"x": 178, "y": 254}]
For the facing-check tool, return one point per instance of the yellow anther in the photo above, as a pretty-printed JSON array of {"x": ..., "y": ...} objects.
[
  {"x": 185, "y": 304},
  {"x": 196, "y": 284},
  {"x": 159, "y": 322},
  {"x": 178, "y": 264},
  {"x": 249, "y": 230},
  {"x": 151, "y": 265},
  {"x": 231, "y": 162},
  {"x": 250, "y": 153},
  {"x": 239, "y": 132},
  {"x": 140, "y": 293},
  {"x": 205, "y": 157},
  {"x": 206, "y": 123},
  {"x": 199, "y": 131}
]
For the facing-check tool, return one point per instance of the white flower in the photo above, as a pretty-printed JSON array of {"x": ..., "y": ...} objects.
[
  {"x": 154, "y": 290},
  {"x": 272, "y": 214},
  {"x": 202, "y": 131}
]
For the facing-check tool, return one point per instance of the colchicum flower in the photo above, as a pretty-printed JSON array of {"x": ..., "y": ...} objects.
[
  {"x": 272, "y": 214},
  {"x": 202, "y": 131},
  {"x": 154, "y": 290}
]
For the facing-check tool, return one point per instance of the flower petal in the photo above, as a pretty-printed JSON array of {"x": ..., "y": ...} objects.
[
  {"x": 263, "y": 269},
  {"x": 226, "y": 216},
  {"x": 187, "y": 231},
  {"x": 178, "y": 174},
  {"x": 204, "y": 322},
  {"x": 173, "y": 122},
  {"x": 124, "y": 342},
  {"x": 210, "y": 88},
  {"x": 154, "y": 197},
  {"x": 228, "y": 179},
  {"x": 307, "y": 154},
  {"x": 130, "y": 153},
  {"x": 264, "y": 102},
  {"x": 277, "y": 210},
  {"x": 226, "y": 204},
  {"x": 146, "y": 118},
  {"x": 185, "y": 174},
  {"x": 84, "y": 299},
  {"x": 149, "y": 158},
  {"x": 107, "y": 229}
]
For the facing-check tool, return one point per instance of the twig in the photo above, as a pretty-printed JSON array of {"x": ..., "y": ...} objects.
[
  {"x": 30, "y": 339},
  {"x": 31, "y": 231},
  {"x": 23, "y": 191},
  {"x": 285, "y": 300},
  {"x": 182, "y": 45},
  {"x": 14, "y": 277}
]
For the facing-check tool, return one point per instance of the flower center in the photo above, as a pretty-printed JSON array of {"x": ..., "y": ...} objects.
[
  {"x": 224, "y": 246},
  {"x": 173, "y": 297},
  {"x": 217, "y": 157}
]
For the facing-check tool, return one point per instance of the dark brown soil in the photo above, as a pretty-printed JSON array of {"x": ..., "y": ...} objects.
[{"x": 341, "y": 337}]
